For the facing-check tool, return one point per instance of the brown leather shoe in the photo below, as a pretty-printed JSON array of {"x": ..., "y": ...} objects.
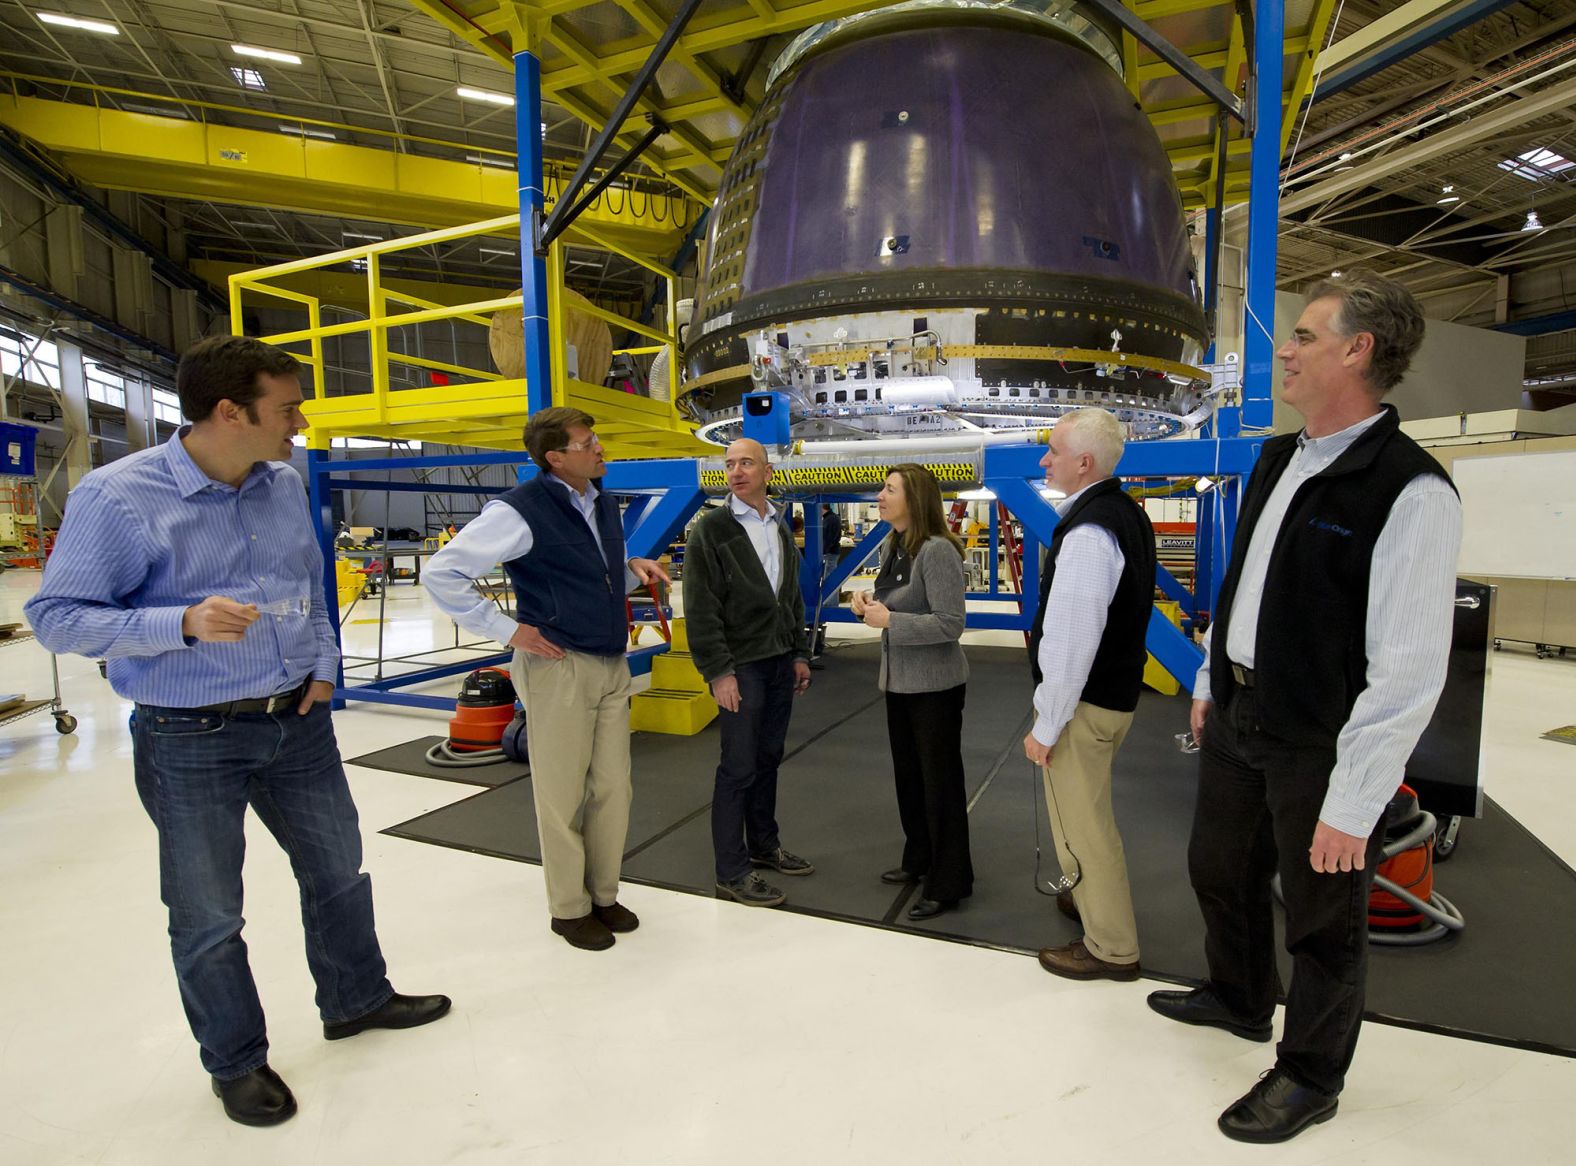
[
  {"x": 616, "y": 917},
  {"x": 1065, "y": 904},
  {"x": 1074, "y": 961},
  {"x": 587, "y": 932}
]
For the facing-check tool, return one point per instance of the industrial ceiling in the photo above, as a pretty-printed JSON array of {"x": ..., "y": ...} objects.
[{"x": 1436, "y": 132}]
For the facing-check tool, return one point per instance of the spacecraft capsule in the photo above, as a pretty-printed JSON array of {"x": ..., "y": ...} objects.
[{"x": 948, "y": 190}]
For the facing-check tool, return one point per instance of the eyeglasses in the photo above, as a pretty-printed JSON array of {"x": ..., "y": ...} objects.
[{"x": 592, "y": 442}]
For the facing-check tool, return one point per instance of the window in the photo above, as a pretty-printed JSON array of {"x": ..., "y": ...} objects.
[
  {"x": 167, "y": 407},
  {"x": 104, "y": 386},
  {"x": 1537, "y": 164},
  {"x": 247, "y": 78},
  {"x": 394, "y": 450},
  {"x": 23, "y": 354}
]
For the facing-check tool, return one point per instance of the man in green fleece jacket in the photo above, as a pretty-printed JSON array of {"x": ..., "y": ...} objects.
[{"x": 746, "y": 631}]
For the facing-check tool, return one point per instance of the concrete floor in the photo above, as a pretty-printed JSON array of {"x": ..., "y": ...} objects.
[{"x": 714, "y": 1034}]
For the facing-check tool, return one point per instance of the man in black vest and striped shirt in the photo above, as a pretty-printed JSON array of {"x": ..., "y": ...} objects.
[
  {"x": 1322, "y": 667},
  {"x": 1087, "y": 654}
]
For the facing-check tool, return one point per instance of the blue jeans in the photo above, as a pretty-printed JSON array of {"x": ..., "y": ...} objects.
[
  {"x": 196, "y": 773},
  {"x": 744, "y": 800}
]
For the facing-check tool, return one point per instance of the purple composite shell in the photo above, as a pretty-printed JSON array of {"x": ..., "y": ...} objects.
[{"x": 967, "y": 163}]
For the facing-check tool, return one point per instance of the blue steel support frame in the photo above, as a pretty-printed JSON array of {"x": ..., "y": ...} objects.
[
  {"x": 1421, "y": 38},
  {"x": 664, "y": 494},
  {"x": 533, "y": 266},
  {"x": 672, "y": 494},
  {"x": 1263, "y": 223},
  {"x": 1011, "y": 471}
]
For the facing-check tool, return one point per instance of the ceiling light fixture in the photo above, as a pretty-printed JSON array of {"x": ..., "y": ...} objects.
[
  {"x": 361, "y": 235},
  {"x": 304, "y": 132},
  {"x": 1335, "y": 274},
  {"x": 485, "y": 160},
  {"x": 488, "y": 96},
  {"x": 63, "y": 21},
  {"x": 265, "y": 54},
  {"x": 247, "y": 78},
  {"x": 1532, "y": 223},
  {"x": 1450, "y": 196}
]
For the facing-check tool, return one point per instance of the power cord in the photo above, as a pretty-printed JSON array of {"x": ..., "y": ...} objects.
[{"x": 444, "y": 756}]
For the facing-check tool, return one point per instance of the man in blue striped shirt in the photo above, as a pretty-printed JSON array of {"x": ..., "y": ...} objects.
[{"x": 191, "y": 568}]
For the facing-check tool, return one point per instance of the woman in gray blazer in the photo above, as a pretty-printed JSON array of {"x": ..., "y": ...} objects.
[{"x": 918, "y": 605}]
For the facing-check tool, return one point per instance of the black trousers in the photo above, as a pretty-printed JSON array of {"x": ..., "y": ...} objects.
[
  {"x": 1258, "y": 803},
  {"x": 744, "y": 798},
  {"x": 926, "y": 730}
]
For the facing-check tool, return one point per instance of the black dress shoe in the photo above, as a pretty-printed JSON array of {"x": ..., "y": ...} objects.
[
  {"x": 260, "y": 1098},
  {"x": 930, "y": 908},
  {"x": 1277, "y": 1109},
  {"x": 898, "y": 877},
  {"x": 586, "y": 932},
  {"x": 395, "y": 1012},
  {"x": 616, "y": 917},
  {"x": 1202, "y": 1006}
]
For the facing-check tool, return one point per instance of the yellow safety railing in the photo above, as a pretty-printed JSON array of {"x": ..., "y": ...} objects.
[{"x": 482, "y": 407}]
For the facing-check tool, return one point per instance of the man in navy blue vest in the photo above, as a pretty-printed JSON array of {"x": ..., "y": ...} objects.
[
  {"x": 1087, "y": 654},
  {"x": 561, "y": 540},
  {"x": 1322, "y": 667}
]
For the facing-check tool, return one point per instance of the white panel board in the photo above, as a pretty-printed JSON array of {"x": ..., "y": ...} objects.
[{"x": 1520, "y": 515}]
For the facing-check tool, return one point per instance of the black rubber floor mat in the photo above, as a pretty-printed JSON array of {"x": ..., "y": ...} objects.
[
  {"x": 1503, "y": 979},
  {"x": 411, "y": 758}
]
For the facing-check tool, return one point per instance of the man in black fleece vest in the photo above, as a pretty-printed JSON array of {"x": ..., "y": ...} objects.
[
  {"x": 1087, "y": 654},
  {"x": 1322, "y": 667}
]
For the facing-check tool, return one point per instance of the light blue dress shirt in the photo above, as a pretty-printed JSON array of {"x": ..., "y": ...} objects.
[
  {"x": 497, "y": 535},
  {"x": 150, "y": 535}
]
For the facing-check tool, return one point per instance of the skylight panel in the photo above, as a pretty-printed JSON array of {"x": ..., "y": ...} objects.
[
  {"x": 247, "y": 78},
  {"x": 1537, "y": 164}
]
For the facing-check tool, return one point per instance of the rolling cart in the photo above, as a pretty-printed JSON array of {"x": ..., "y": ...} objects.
[{"x": 64, "y": 721}]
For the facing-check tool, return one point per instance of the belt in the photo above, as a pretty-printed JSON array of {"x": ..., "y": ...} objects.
[
  {"x": 260, "y": 704},
  {"x": 1243, "y": 676}
]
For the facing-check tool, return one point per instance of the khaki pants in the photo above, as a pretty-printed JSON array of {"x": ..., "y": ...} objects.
[
  {"x": 1078, "y": 798},
  {"x": 577, "y": 731}
]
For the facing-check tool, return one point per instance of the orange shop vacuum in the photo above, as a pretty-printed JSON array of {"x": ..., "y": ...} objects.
[{"x": 482, "y": 715}]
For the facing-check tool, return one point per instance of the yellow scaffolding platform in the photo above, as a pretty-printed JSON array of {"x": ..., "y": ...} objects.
[{"x": 480, "y": 407}]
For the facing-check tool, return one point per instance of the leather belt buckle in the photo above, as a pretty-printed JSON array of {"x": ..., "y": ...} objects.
[{"x": 1243, "y": 676}]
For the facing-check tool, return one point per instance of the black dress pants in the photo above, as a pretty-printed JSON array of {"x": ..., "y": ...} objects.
[
  {"x": 1258, "y": 803},
  {"x": 926, "y": 730},
  {"x": 744, "y": 799}
]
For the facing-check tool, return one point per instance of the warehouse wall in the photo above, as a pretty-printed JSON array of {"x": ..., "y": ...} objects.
[{"x": 1458, "y": 369}]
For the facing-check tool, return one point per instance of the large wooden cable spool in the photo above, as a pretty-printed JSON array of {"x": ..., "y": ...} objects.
[{"x": 592, "y": 338}]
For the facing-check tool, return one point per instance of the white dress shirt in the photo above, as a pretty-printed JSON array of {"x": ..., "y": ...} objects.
[
  {"x": 1411, "y": 609},
  {"x": 497, "y": 535},
  {"x": 1088, "y": 568},
  {"x": 765, "y": 537}
]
